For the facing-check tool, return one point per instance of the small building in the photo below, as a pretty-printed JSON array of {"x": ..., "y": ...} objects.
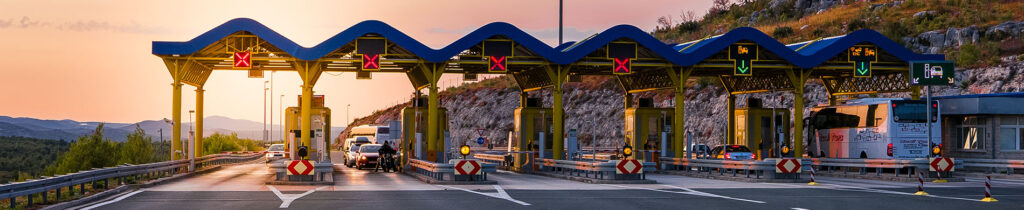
[{"x": 987, "y": 126}]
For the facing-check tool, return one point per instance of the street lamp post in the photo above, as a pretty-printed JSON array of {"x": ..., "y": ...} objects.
[
  {"x": 271, "y": 106},
  {"x": 346, "y": 114},
  {"x": 280, "y": 120},
  {"x": 265, "y": 89}
]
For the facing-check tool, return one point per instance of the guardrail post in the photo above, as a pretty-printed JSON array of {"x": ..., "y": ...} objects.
[
  {"x": 12, "y": 199},
  {"x": 82, "y": 188},
  {"x": 58, "y": 195},
  {"x": 45, "y": 193},
  {"x": 29, "y": 196}
]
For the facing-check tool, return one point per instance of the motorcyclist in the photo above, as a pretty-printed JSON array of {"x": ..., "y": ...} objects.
[{"x": 386, "y": 158}]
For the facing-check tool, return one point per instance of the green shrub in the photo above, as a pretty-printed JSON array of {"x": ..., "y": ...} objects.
[
  {"x": 968, "y": 55},
  {"x": 782, "y": 32}
]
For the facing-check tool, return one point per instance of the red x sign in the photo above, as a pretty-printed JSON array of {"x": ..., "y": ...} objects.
[
  {"x": 371, "y": 61},
  {"x": 243, "y": 59},
  {"x": 621, "y": 65},
  {"x": 497, "y": 64}
]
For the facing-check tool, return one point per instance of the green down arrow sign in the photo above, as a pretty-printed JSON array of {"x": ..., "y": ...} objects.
[
  {"x": 861, "y": 69},
  {"x": 742, "y": 67}
]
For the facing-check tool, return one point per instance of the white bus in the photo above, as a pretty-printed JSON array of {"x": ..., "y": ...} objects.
[
  {"x": 378, "y": 134},
  {"x": 887, "y": 128}
]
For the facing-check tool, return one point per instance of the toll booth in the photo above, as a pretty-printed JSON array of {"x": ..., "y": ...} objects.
[
  {"x": 414, "y": 132},
  {"x": 756, "y": 127},
  {"x": 533, "y": 125},
  {"x": 320, "y": 131},
  {"x": 649, "y": 130}
]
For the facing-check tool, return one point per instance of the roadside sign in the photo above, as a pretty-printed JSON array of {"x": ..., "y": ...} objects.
[
  {"x": 787, "y": 165},
  {"x": 467, "y": 167},
  {"x": 480, "y": 140},
  {"x": 941, "y": 165},
  {"x": 300, "y": 167},
  {"x": 931, "y": 73},
  {"x": 629, "y": 167}
]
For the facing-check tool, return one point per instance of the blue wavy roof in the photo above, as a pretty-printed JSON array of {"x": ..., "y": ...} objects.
[{"x": 810, "y": 56}]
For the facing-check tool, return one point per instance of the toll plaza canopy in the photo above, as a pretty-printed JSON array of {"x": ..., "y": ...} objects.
[{"x": 744, "y": 59}]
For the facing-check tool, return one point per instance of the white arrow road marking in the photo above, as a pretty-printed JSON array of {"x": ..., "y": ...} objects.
[
  {"x": 286, "y": 199},
  {"x": 113, "y": 201},
  {"x": 688, "y": 192},
  {"x": 501, "y": 194}
]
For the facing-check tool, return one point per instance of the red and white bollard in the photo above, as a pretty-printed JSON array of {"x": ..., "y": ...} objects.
[
  {"x": 920, "y": 185},
  {"x": 988, "y": 191},
  {"x": 812, "y": 177},
  {"x": 938, "y": 178}
]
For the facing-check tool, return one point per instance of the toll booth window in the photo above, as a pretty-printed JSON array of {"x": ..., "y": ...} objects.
[
  {"x": 1011, "y": 133},
  {"x": 969, "y": 132}
]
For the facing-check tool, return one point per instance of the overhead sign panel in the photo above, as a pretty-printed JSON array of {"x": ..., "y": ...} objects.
[
  {"x": 371, "y": 50},
  {"x": 622, "y": 55},
  {"x": 862, "y": 58},
  {"x": 931, "y": 73},
  {"x": 743, "y": 56},
  {"x": 497, "y": 53}
]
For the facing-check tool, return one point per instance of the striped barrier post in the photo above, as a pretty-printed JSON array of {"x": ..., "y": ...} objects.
[
  {"x": 938, "y": 178},
  {"x": 812, "y": 177},
  {"x": 920, "y": 185},
  {"x": 988, "y": 191}
]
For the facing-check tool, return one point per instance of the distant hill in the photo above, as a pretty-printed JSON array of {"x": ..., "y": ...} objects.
[{"x": 68, "y": 130}]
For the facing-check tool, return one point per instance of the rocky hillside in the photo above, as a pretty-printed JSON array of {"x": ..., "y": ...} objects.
[{"x": 983, "y": 36}]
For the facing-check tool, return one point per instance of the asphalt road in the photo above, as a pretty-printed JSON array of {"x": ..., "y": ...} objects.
[{"x": 241, "y": 187}]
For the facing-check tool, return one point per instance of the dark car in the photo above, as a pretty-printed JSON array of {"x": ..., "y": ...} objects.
[
  {"x": 700, "y": 151},
  {"x": 733, "y": 152},
  {"x": 367, "y": 155}
]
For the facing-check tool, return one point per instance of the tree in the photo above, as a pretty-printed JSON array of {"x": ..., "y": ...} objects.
[
  {"x": 137, "y": 149},
  {"x": 719, "y": 6},
  {"x": 92, "y": 151}
]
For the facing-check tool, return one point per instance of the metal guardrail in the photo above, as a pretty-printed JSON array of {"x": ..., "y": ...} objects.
[
  {"x": 45, "y": 184},
  {"x": 587, "y": 168},
  {"x": 990, "y": 165},
  {"x": 758, "y": 168},
  {"x": 439, "y": 171},
  {"x": 912, "y": 166},
  {"x": 499, "y": 160}
]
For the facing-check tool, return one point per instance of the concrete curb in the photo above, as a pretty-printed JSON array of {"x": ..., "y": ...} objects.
[
  {"x": 428, "y": 180},
  {"x": 737, "y": 178},
  {"x": 593, "y": 180}
]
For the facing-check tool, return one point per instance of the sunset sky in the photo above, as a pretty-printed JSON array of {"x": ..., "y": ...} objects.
[{"x": 91, "y": 60}]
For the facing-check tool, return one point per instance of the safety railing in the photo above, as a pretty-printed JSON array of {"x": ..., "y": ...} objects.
[
  {"x": 993, "y": 165},
  {"x": 599, "y": 170},
  {"x": 910, "y": 166},
  {"x": 757, "y": 168},
  {"x": 499, "y": 160},
  {"x": 443, "y": 171},
  {"x": 44, "y": 185}
]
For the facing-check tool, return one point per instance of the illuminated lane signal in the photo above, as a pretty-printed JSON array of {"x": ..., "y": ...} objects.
[
  {"x": 497, "y": 53},
  {"x": 622, "y": 55},
  {"x": 371, "y": 62},
  {"x": 743, "y": 56},
  {"x": 497, "y": 64},
  {"x": 243, "y": 60},
  {"x": 622, "y": 65},
  {"x": 371, "y": 50},
  {"x": 862, "y": 58}
]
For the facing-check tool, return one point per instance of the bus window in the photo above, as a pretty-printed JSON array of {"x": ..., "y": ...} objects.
[
  {"x": 874, "y": 118},
  {"x": 910, "y": 111}
]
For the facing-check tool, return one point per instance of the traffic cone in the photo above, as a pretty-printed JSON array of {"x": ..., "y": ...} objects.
[
  {"x": 812, "y": 183},
  {"x": 938, "y": 178},
  {"x": 920, "y": 185},
  {"x": 988, "y": 191}
]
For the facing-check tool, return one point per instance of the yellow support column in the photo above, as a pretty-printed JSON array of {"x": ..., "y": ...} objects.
[
  {"x": 198, "y": 148},
  {"x": 558, "y": 116},
  {"x": 176, "y": 125},
  {"x": 915, "y": 92},
  {"x": 433, "y": 133},
  {"x": 309, "y": 72},
  {"x": 798, "y": 78},
  {"x": 731, "y": 131},
  {"x": 678, "y": 118},
  {"x": 306, "y": 107}
]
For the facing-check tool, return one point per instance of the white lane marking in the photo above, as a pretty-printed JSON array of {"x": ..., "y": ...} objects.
[
  {"x": 286, "y": 199},
  {"x": 688, "y": 192},
  {"x": 995, "y": 181},
  {"x": 862, "y": 189},
  {"x": 113, "y": 201},
  {"x": 799, "y": 208},
  {"x": 501, "y": 194}
]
